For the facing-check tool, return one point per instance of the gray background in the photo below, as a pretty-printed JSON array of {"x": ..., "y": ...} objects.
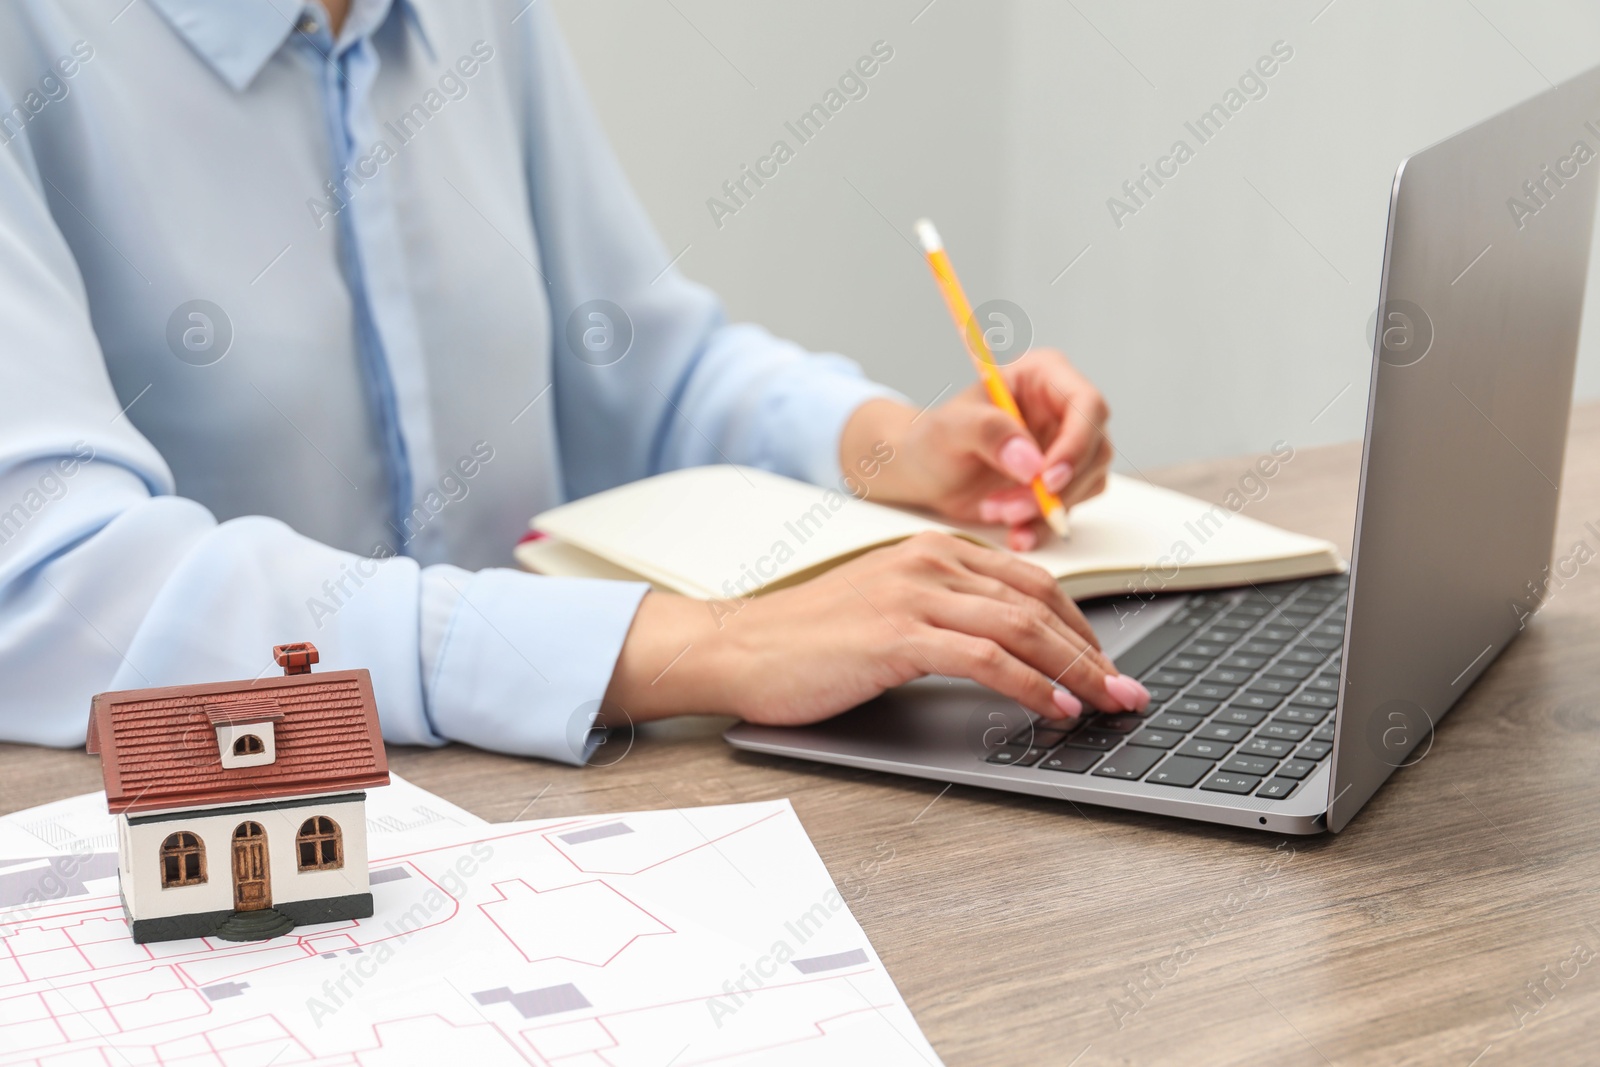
[{"x": 1231, "y": 311}]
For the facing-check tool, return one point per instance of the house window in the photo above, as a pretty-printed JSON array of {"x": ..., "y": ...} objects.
[
  {"x": 183, "y": 860},
  {"x": 321, "y": 848},
  {"x": 248, "y": 745}
]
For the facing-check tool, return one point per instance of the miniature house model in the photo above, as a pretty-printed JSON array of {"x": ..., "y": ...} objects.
[{"x": 240, "y": 806}]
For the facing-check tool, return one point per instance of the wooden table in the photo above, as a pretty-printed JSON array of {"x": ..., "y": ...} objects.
[{"x": 1016, "y": 927}]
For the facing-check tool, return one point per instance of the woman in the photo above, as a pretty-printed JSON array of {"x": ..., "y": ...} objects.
[{"x": 294, "y": 313}]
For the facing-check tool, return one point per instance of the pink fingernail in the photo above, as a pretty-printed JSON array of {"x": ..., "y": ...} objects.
[
  {"x": 1127, "y": 692},
  {"x": 1017, "y": 512},
  {"x": 989, "y": 511},
  {"x": 1024, "y": 540},
  {"x": 1021, "y": 458},
  {"x": 1057, "y": 477},
  {"x": 1069, "y": 704}
]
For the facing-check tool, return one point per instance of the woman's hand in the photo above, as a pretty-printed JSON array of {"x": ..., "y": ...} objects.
[
  {"x": 969, "y": 460},
  {"x": 931, "y": 605}
]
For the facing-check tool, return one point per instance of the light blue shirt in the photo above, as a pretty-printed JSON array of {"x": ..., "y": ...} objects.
[{"x": 297, "y": 333}]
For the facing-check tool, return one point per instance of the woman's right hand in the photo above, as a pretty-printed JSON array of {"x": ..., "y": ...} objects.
[{"x": 933, "y": 604}]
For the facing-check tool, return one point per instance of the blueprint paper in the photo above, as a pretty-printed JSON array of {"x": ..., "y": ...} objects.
[{"x": 637, "y": 940}]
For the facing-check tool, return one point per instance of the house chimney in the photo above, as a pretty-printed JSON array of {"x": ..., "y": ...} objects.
[{"x": 296, "y": 658}]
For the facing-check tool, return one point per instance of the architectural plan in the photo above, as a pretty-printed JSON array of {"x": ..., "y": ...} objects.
[{"x": 704, "y": 935}]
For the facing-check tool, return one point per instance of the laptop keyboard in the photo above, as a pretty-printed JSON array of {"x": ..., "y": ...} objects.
[{"x": 1242, "y": 690}]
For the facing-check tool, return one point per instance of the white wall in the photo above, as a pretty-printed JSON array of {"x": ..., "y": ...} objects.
[
  {"x": 140, "y": 852},
  {"x": 1214, "y": 326}
]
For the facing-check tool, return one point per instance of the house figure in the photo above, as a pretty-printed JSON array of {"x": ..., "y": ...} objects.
[{"x": 240, "y": 806}]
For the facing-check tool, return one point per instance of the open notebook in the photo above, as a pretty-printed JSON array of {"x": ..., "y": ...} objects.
[{"x": 726, "y": 531}]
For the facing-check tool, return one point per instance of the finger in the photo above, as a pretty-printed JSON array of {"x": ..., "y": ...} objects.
[
  {"x": 1083, "y": 418},
  {"x": 1090, "y": 480},
  {"x": 1029, "y": 535},
  {"x": 985, "y": 662},
  {"x": 973, "y": 584},
  {"x": 1033, "y": 582},
  {"x": 1012, "y": 506},
  {"x": 992, "y": 435},
  {"x": 1025, "y": 633}
]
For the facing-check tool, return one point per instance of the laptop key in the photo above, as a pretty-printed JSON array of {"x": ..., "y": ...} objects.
[
  {"x": 1208, "y": 691},
  {"x": 1193, "y": 664},
  {"x": 1284, "y": 731},
  {"x": 1038, "y": 734},
  {"x": 1207, "y": 649},
  {"x": 1168, "y": 720},
  {"x": 1241, "y": 716},
  {"x": 1244, "y": 662},
  {"x": 1266, "y": 746},
  {"x": 1180, "y": 771},
  {"x": 1122, "y": 722},
  {"x": 1223, "y": 782},
  {"x": 1201, "y": 748},
  {"x": 1317, "y": 700},
  {"x": 1324, "y": 733},
  {"x": 1297, "y": 671},
  {"x": 1156, "y": 739},
  {"x": 1228, "y": 676},
  {"x": 1277, "y": 633},
  {"x": 1222, "y": 731},
  {"x": 1314, "y": 750},
  {"x": 1253, "y": 699},
  {"x": 1306, "y": 656},
  {"x": 1190, "y": 706},
  {"x": 1295, "y": 713},
  {"x": 1129, "y": 764},
  {"x": 1323, "y": 684},
  {"x": 1160, "y": 693},
  {"x": 1277, "y": 789},
  {"x": 1099, "y": 740},
  {"x": 1280, "y": 686},
  {"x": 1071, "y": 760},
  {"x": 1171, "y": 677},
  {"x": 1261, "y": 648},
  {"x": 1256, "y": 765},
  {"x": 1017, "y": 755},
  {"x": 1296, "y": 769}
]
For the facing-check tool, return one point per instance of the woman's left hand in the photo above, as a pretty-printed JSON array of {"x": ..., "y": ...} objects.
[{"x": 968, "y": 460}]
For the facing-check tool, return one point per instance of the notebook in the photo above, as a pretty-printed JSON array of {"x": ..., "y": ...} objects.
[{"x": 728, "y": 531}]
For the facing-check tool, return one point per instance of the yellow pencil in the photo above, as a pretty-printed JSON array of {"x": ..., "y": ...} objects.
[{"x": 1050, "y": 506}]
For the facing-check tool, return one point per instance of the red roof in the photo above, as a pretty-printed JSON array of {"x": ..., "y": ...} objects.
[{"x": 158, "y": 747}]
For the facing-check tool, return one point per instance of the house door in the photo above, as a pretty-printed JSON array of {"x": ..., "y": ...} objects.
[{"x": 252, "y": 885}]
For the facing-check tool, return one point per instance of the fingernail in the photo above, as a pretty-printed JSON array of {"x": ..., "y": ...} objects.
[
  {"x": 1057, "y": 477},
  {"x": 1024, "y": 540},
  {"x": 1127, "y": 692},
  {"x": 1069, "y": 704},
  {"x": 1017, "y": 512},
  {"x": 989, "y": 511},
  {"x": 1021, "y": 458}
]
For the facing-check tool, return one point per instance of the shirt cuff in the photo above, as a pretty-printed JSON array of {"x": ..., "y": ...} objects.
[
  {"x": 809, "y": 404},
  {"x": 523, "y": 661}
]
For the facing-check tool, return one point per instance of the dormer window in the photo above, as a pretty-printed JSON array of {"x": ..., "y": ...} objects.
[{"x": 245, "y": 726}]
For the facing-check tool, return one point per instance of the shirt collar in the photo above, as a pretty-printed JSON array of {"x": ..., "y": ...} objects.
[{"x": 237, "y": 37}]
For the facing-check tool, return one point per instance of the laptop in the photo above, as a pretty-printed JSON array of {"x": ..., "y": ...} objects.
[{"x": 1284, "y": 707}]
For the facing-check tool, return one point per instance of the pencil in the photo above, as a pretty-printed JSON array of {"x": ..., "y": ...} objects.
[{"x": 955, "y": 298}]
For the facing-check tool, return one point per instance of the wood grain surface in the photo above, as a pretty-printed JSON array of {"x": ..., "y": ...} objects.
[{"x": 1442, "y": 927}]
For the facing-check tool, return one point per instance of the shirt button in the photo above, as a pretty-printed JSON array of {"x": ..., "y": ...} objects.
[{"x": 308, "y": 25}]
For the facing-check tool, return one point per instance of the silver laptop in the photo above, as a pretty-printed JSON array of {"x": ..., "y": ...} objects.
[{"x": 1285, "y": 707}]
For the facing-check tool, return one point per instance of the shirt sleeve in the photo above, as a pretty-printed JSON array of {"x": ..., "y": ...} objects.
[
  {"x": 670, "y": 383},
  {"x": 108, "y": 580}
]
